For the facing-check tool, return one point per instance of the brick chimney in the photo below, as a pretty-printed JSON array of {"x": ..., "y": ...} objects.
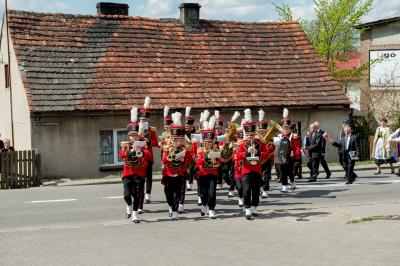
[
  {"x": 190, "y": 15},
  {"x": 104, "y": 8}
]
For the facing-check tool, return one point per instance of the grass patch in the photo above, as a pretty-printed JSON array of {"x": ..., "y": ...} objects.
[{"x": 374, "y": 218}]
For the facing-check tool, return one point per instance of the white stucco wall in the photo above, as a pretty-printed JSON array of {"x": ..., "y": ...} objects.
[{"x": 21, "y": 112}]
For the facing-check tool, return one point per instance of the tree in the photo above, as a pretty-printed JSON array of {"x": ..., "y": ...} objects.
[
  {"x": 284, "y": 11},
  {"x": 332, "y": 32}
]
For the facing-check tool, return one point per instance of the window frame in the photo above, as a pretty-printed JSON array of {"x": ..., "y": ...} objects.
[{"x": 116, "y": 163}]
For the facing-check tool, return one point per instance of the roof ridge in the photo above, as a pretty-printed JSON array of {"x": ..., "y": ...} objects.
[{"x": 140, "y": 18}]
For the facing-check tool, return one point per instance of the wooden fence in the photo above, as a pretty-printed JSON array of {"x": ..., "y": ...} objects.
[{"x": 20, "y": 169}]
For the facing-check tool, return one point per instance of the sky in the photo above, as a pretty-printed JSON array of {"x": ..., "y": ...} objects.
[{"x": 239, "y": 10}]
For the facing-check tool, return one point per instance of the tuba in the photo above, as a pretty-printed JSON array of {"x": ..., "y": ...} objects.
[{"x": 272, "y": 131}]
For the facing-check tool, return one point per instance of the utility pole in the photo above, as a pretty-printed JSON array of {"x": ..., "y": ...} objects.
[{"x": 9, "y": 76}]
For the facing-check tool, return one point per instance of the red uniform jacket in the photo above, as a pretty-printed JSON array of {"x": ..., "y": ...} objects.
[
  {"x": 295, "y": 146},
  {"x": 175, "y": 167},
  {"x": 205, "y": 166},
  {"x": 247, "y": 167},
  {"x": 134, "y": 165},
  {"x": 237, "y": 166},
  {"x": 154, "y": 142}
]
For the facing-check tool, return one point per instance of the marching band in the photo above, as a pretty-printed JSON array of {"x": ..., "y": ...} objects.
[{"x": 242, "y": 158}]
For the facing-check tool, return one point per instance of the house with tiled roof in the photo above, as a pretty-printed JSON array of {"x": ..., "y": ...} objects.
[{"x": 74, "y": 78}]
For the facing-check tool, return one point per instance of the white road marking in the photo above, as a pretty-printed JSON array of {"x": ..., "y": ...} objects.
[
  {"x": 113, "y": 197},
  {"x": 356, "y": 183},
  {"x": 45, "y": 201}
]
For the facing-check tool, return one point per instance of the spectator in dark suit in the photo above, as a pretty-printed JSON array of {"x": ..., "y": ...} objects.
[
  {"x": 349, "y": 148},
  {"x": 314, "y": 153},
  {"x": 322, "y": 159}
]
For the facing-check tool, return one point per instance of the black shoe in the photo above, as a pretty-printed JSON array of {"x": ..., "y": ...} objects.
[
  {"x": 312, "y": 180},
  {"x": 147, "y": 201},
  {"x": 128, "y": 215},
  {"x": 328, "y": 176},
  {"x": 349, "y": 182},
  {"x": 254, "y": 214},
  {"x": 136, "y": 221},
  {"x": 398, "y": 174},
  {"x": 300, "y": 177},
  {"x": 248, "y": 217}
]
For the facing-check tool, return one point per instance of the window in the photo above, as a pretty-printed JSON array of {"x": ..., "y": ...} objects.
[
  {"x": 110, "y": 147},
  {"x": 7, "y": 75}
]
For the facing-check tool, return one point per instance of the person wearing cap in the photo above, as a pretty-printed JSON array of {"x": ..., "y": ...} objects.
[
  {"x": 208, "y": 170},
  {"x": 251, "y": 152},
  {"x": 262, "y": 126},
  {"x": 223, "y": 171},
  {"x": 189, "y": 130},
  {"x": 150, "y": 135},
  {"x": 135, "y": 159},
  {"x": 238, "y": 164},
  {"x": 226, "y": 171},
  {"x": 289, "y": 151},
  {"x": 349, "y": 147},
  {"x": 176, "y": 160}
]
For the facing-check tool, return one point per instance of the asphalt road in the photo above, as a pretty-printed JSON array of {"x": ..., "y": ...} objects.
[{"x": 85, "y": 225}]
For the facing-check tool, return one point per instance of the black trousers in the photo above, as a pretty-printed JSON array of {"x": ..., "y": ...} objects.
[
  {"x": 208, "y": 188},
  {"x": 172, "y": 190},
  {"x": 349, "y": 164},
  {"x": 325, "y": 165},
  {"x": 191, "y": 172},
  {"x": 313, "y": 165},
  {"x": 251, "y": 189},
  {"x": 149, "y": 183},
  {"x": 278, "y": 170},
  {"x": 226, "y": 172},
  {"x": 266, "y": 174},
  {"x": 287, "y": 171},
  {"x": 298, "y": 169},
  {"x": 183, "y": 189},
  {"x": 239, "y": 187},
  {"x": 133, "y": 188}
]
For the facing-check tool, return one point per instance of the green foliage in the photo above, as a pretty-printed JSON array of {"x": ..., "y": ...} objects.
[
  {"x": 332, "y": 32},
  {"x": 284, "y": 11}
]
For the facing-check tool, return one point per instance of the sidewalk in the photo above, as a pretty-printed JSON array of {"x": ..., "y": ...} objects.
[{"x": 116, "y": 180}]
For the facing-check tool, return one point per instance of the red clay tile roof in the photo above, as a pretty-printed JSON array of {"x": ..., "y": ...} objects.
[
  {"x": 83, "y": 63},
  {"x": 351, "y": 61}
]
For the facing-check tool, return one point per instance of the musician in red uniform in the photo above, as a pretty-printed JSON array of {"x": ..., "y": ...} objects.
[
  {"x": 150, "y": 135},
  {"x": 136, "y": 160},
  {"x": 289, "y": 151},
  {"x": 176, "y": 160},
  {"x": 262, "y": 125},
  {"x": 251, "y": 152},
  {"x": 208, "y": 169},
  {"x": 238, "y": 165}
]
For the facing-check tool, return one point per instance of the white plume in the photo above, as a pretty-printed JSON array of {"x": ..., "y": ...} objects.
[
  {"x": 134, "y": 114},
  {"x": 285, "y": 112},
  {"x": 187, "y": 112},
  {"x": 235, "y": 116},
  {"x": 166, "y": 110},
  {"x": 247, "y": 115},
  {"x": 261, "y": 115},
  {"x": 211, "y": 123},
  {"x": 146, "y": 103},
  {"x": 176, "y": 119},
  {"x": 216, "y": 114},
  {"x": 205, "y": 125},
  {"x": 206, "y": 114},
  {"x": 201, "y": 117}
]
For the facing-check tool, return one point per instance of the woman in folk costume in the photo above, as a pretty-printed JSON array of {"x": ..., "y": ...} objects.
[
  {"x": 270, "y": 147},
  {"x": 238, "y": 164},
  {"x": 226, "y": 170},
  {"x": 136, "y": 159},
  {"x": 289, "y": 151},
  {"x": 251, "y": 152},
  {"x": 382, "y": 148},
  {"x": 176, "y": 160},
  {"x": 150, "y": 136},
  {"x": 208, "y": 169}
]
